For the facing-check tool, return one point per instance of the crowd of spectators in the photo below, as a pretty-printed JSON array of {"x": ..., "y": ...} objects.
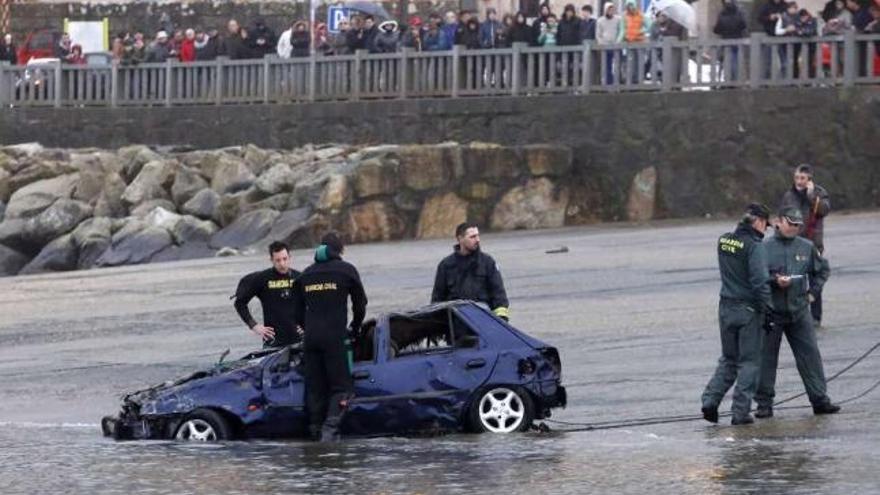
[{"x": 778, "y": 18}]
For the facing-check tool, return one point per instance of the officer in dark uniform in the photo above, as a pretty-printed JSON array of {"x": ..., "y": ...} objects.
[
  {"x": 274, "y": 289},
  {"x": 797, "y": 272},
  {"x": 321, "y": 301},
  {"x": 469, "y": 273},
  {"x": 745, "y": 297}
]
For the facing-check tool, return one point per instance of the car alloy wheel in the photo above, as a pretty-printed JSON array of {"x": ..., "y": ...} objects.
[
  {"x": 501, "y": 410},
  {"x": 196, "y": 430}
]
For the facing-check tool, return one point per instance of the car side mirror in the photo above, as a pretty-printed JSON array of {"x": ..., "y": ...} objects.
[
  {"x": 468, "y": 341},
  {"x": 280, "y": 367}
]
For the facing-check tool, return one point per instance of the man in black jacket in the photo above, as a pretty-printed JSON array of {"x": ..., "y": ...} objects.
[
  {"x": 814, "y": 204},
  {"x": 274, "y": 289},
  {"x": 745, "y": 301},
  {"x": 730, "y": 25},
  {"x": 469, "y": 273},
  {"x": 321, "y": 305}
]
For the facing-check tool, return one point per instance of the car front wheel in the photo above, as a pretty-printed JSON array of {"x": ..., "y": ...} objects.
[
  {"x": 502, "y": 409},
  {"x": 203, "y": 425}
]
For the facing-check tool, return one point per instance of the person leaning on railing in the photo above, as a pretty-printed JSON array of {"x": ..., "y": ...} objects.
[{"x": 730, "y": 25}]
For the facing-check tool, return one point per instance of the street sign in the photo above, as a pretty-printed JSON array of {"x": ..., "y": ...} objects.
[{"x": 334, "y": 16}]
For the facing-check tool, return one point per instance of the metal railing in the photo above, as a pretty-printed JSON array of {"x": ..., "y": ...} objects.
[{"x": 663, "y": 66}]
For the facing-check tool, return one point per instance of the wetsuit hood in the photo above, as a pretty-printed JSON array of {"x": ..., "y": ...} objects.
[{"x": 326, "y": 253}]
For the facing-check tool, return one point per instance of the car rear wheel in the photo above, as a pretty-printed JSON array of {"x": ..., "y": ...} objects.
[
  {"x": 502, "y": 410},
  {"x": 203, "y": 425}
]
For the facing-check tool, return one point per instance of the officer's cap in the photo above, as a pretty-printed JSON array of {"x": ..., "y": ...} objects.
[
  {"x": 758, "y": 210},
  {"x": 793, "y": 215}
]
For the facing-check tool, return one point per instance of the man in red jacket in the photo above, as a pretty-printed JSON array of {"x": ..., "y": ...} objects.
[{"x": 188, "y": 46}]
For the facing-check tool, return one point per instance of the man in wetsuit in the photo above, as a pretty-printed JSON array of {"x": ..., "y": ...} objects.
[
  {"x": 321, "y": 296},
  {"x": 274, "y": 288}
]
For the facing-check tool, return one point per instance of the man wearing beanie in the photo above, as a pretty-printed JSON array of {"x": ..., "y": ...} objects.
[{"x": 321, "y": 306}]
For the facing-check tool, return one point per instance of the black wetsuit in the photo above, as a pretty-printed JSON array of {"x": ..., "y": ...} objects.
[
  {"x": 321, "y": 301},
  {"x": 275, "y": 292}
]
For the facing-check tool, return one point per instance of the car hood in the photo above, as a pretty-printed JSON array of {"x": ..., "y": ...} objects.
[{"x": 247, "y": 367}]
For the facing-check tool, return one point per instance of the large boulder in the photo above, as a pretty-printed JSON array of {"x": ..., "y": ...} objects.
[
  {"x": 144, "y": 209},
  {"x": 290, "y": 227},
  {"x": 33, "y": 198},
  {"x": 491, "y": 162},
  {"x": 535, "y": 205},
  {"x": 188, "y": 229},
  {"x": 11, "y": 261},
  {"x": 2, "y": 210},
  {"x": 423, "y": 167},
  {"x": 336, "y": 194},
  {"x": 186, "y": 184},
  {"x": 188, "y": 251},
  {"x": 642, "y": 196},
  {"x": 22, "y": 150},
  {"x": 60, "y": 218},
  {"x": 5, "y": 188},
  {"x": 153, "y": 182},
  {"x": 374, "y": 177},
  {"x": 59, "y": 255},
  {"x": 133, "y": 159},
  {"x": 440, "y": 215},
  {"x": 231, "y": 175},
  {"x": 92, "y": 238},
  {"x": 280, "y": 178},
  {"x": 12, "y": 234},
  {"x": 205, "y": 204},
  {"x": 135, "y": 243},
  {"x": 256, "y": 159},
  {"x": 372, "y": 221},
  {"x": 246, "y": 230},
  {"x": 36, "y": 170},
  {"x": 109, "y": 203},
  {"x": 548, "y": 159}
]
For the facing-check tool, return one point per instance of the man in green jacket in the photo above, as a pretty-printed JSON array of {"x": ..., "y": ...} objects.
[
  {"x": 798, "y": 273},
  {"x": 745, "y": 297}
]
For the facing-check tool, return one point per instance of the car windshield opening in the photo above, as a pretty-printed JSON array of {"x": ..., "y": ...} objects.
[
  {"x": 363, "y": 345},
  {"x": 424, "y": 332}
]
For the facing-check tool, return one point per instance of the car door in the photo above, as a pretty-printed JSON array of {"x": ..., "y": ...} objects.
[
  {"x": 283, "y": 410},
  {"x": 421, "y": 391}
]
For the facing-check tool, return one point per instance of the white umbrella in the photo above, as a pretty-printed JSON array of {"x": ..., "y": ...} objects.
[{"x": 679, "y": 11}]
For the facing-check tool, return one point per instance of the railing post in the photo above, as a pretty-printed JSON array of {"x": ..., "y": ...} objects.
[
  {"x": 456, "y": 70},
  {"x": 313, "y": 76},
  {"x": 266, "y": 70},
  {"x": 668, "y": 79},
  {"x": 756, "y": 52},
  {"x": 114, "y": 84},
  {"x": 4, "y": 86},
  {"x": 57, "y": 85},
  {"x": 168, "y": 82},
  {"x": 516, "y": 72},
  {"x": 356, "y": 85},
  {"x": 218, "y": 80},
  {"x": 586, "y": 67},
  {"x": 850, "y": 58},
  {"x": 402, "y": 71}
]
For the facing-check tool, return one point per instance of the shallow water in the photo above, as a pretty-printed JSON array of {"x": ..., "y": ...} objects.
[{"x": 636, "y": 330}]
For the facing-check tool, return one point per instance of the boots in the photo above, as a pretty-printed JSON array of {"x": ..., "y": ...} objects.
[{"x": 825, "y": 408}]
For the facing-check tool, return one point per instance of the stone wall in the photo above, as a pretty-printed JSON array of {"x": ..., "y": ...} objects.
[
  {"x": 710, "y": 150},
  {"x": 68, "y": 209}
]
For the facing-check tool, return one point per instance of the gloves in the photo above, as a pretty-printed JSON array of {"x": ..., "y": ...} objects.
[{"x": 354, "y": 332}]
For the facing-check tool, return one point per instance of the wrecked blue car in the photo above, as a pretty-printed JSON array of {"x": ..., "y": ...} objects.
[{"x": 445, "y": 368}]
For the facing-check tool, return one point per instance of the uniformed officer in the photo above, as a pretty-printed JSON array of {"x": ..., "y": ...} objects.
[
  {"x": 814, "y": 204},
  {"x": 321, "y": 301},
  {"x": 469, "y": 273},
  {"x": 797, "y": 273},
  {"x": 274, "y": 288},
  {"x": 745, "y": 296}
]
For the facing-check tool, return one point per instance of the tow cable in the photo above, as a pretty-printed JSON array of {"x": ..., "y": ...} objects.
[{"x": 659, "y": 420}]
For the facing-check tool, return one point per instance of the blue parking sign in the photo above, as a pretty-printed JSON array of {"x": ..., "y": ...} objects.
[{"x": 335, "y": 15}]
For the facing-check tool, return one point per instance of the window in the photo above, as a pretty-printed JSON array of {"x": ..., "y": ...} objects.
[
  {"x": 362, "y": 347},
  {"x": 424, "y": 332}
]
